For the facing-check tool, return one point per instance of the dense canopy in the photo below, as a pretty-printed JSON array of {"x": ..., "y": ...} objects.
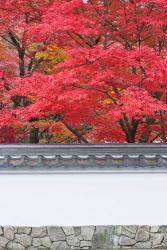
[{"x": 74, "y": 71}]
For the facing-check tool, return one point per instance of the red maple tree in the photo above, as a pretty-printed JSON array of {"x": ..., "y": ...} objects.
[{"x": 110, "y": 85}]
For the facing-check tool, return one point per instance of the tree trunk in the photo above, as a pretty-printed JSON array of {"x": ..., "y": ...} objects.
[
  {"x": 129, "y": 127},
  {"x": 34, "y": 135}
]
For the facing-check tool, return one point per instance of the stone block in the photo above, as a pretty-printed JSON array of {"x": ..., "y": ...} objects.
[
  {"x": 15, "y": 246},
  {"x": 162, "y": 229},
  {"x": 56, "y": 233},
  {"x": 37, "y": 242},
  {"x": 165, "y": 239},
  {"x": 156, "y": 238},
  {"x": 126, "y": 232},
  {"x": 46, "y": 242},
  {"x": 68, "y": 230},
  {"x": 32, "y": 248},
  {"x": 131, "y": 228},
  {"x": 87, "y": 232},
  {"x": 143, "y": 245},
  {"x": 118, "y": 230},
  {"x": 24, "y": 230},
  {"x": 3, "y": 241},
  {"x": 38, "y": 232},
  {"x": 154, "y": 229},
  {"x": 60, "y": 245},
  {"x": 76, "y": 248},
  {"x": 9, "y": 232},
  {"x": 77, "y": 230},
  {"x": 142, "y": 235},
  {"x": 115, "y": 240},
  {"x": 103, "y": 237},
  {"x": 126, "y": 241},
  {"x": 72, "y": 240},
  {"x": 80, "y": 237},
  {"x": 23, "y": 239},
  {"x": 145, "y": 228},
  {"x": 86, "y": 243}
]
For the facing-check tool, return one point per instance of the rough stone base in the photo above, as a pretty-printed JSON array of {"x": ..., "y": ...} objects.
[{"x": 85, "y": 237}]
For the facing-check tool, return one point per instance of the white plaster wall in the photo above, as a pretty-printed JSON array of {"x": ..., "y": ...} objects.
[{"x": 83, "y": 199}]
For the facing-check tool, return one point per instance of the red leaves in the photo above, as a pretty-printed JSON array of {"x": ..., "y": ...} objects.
[
  {"x": 137, "y": 103},
  {"x": 112, "y": 85}
]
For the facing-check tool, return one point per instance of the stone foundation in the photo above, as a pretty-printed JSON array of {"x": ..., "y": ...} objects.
[{"x": 85, "y": 237}]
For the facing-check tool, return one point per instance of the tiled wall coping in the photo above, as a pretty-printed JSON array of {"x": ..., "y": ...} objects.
[{"x": 102, "y": 158}]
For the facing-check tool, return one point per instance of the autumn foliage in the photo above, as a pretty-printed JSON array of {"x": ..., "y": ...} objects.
[{"x": 83, "y": 71}]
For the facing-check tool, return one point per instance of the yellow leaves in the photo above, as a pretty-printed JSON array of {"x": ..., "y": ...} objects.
[
  {"x": 62, "y": 134},
  {"x": 108, "y": 101},
  {"x": 53, "y": 54},
  {"x": 42, "y": 55},
  {"x": 57, "y": 131},
  {"x": 49, "y": 57}
]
